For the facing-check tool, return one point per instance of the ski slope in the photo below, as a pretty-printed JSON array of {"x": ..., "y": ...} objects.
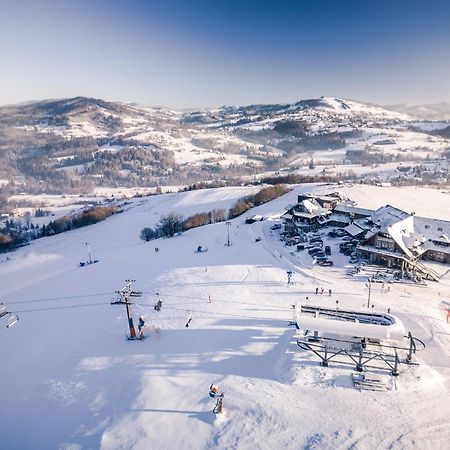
[{"x": 70, "y": 379}]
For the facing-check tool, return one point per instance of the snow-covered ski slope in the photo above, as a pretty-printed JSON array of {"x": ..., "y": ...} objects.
[{"x": 69, "y": 379}]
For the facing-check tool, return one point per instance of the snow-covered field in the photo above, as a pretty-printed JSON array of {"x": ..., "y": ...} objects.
[{"x": 71, "y": 380}]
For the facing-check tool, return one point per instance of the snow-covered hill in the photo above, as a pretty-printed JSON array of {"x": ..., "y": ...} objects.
[
  {"x": 71, "y": 380},
  {"x": 83, "y": 141}
]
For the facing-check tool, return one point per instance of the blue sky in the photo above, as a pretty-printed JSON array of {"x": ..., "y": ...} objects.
[{"x": 196, "y": 53}]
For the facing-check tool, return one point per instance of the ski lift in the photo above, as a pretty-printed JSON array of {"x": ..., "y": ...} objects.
[{"x": 12, "y": 318}]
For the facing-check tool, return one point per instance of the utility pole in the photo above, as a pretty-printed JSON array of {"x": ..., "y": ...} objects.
[
  {"x": 228, "y": 233},
  {"x": 289, "y": 276},
  {"x": 124, "y": 299},
  {"x": 369, "y": 285}
]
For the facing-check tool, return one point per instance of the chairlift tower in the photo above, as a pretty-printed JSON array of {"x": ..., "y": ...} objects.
[{"x": 125, "y": 294}]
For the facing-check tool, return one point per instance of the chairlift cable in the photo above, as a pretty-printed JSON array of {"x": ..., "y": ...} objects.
[
  {"x": 213, "y": 313},
  {"x": 72, "y": 297},
  {"x": 60, "y": 307}
]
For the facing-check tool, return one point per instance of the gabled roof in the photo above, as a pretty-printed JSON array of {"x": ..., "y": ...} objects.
[{"x": 387, "y": 216}]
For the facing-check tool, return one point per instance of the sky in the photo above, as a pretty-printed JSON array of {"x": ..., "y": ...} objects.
[{"x": 206, "y": 53}]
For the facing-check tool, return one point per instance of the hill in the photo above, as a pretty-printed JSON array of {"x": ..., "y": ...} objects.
[
  {"x": 72, "y": 380},
  {"x": 74, "y": 145}
]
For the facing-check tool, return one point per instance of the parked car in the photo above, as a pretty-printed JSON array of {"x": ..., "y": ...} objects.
[
  {"x": 275, "y": 226},
  {"x": 327, "y": 250},
  {"x": 340, "y": 232},
  {"x": 314, "y": 250},
  {"x": 320, "y": 257},
  {"x": 347, "y": 238},
  {"x": 300, "y": 247},
  {"x": 325, "y": 263}
]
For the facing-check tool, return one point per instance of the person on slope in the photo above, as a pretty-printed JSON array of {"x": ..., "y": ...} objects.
[{"x": 141, "y": 326}]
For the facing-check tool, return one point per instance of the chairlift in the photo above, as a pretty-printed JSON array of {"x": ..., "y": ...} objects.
[{"x": 12, "y": 319}]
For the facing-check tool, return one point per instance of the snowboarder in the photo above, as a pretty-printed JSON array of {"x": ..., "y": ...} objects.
[
  {"x": 189, "y": 319},
  {"x": 209, "y": 299},
  {"x": 141, "y": 326},
  {"x": 329, "y": 292},
  {"x": 156, "y": 249}
]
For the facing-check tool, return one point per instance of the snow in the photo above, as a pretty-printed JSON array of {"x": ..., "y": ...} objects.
[{"x": 71, "y": 380}]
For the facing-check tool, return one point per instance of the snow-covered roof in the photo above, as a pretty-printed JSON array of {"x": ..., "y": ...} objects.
[
  {"x": 429, "y": 245},
  {"x": 354, "y": 230},
  {"x": 350, "y": 209},
  {"x": 386, "y": 216}
]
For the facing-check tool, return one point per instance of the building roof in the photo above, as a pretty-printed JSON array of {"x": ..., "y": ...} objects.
[
  {"x": 434, "y": 229},
  {"x": 354, "y": 230},
  {"x": 350, "y": 209},
  {"x": 429, "y": 245}
]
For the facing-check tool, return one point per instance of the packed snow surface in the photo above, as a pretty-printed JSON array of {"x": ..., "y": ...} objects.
[{"x": 71, "y": 380}]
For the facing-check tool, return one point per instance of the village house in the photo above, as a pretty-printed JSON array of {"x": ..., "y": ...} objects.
[
  {"x": 310, "y": 212},
  {"x": 388, "y": 236}
]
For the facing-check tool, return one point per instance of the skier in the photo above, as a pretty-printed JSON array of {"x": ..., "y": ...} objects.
[
  {"x": 214, "y": 393},
  {"x": 209, "y": 299},
  {"x": 158, "y": 304},
  {"x": 321, "y": 291},
  {"x": 156, "y": 249},
  {"x": 141, "y": 326},
  {"x": 317, "y": 290},
  {"x": 189, "y": 319},
  {"x": 329, "y": 292}
]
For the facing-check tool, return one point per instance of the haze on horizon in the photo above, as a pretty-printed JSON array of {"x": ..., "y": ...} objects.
[{"x": 203, "y": 53}]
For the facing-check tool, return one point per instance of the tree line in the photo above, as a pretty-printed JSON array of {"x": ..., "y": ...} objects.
[
  {"x": 15, "y": 235},
  {"x": 174, "y": 223}
]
